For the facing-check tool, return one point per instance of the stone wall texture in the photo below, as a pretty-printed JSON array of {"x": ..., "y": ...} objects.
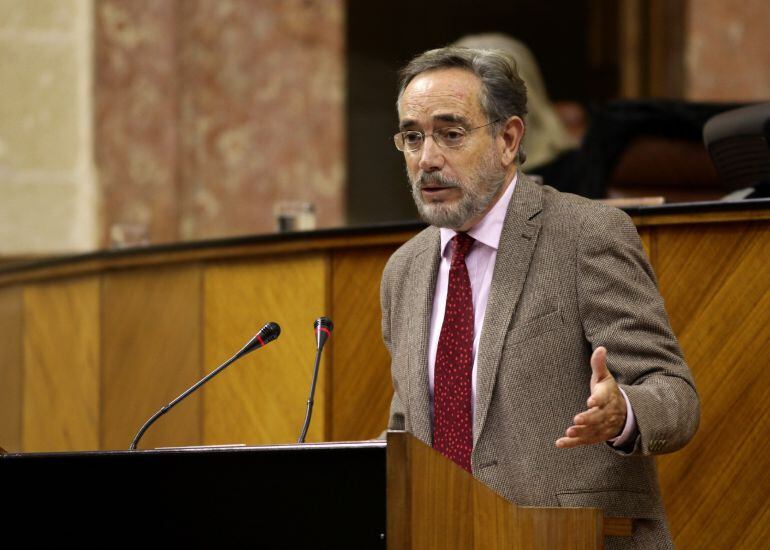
[
  {"x": 727, "y": 50},
  {"x": 191, "y": 119},
  {"x": 211, "y": 111},
  {"x": 136, "y": 116},
  {"x": 48, "y": 194}
]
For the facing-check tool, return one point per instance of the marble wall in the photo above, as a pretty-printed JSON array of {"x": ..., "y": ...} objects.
[
  {"x": 136, "y": 118},
  {"x": 727, "y": 50},
  {"x": 165, "y": 120},
  {"x": 48, "y": 193},
  {"x": 262, "y": 107},
  {"x": 211, "y": 111},
  {"x": 190, "y": 119}
]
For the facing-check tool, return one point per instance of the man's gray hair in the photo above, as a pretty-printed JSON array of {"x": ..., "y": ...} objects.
[{"x": 503, "y": 92}]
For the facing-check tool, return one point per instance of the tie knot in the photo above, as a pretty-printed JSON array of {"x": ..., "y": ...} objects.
[{"x": 462, "y": 244}]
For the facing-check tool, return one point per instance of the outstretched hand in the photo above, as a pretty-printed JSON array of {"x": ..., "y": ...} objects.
[{"x": 606, "y": 414}]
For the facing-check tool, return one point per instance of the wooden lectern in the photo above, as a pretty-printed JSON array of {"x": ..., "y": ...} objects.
[
  {"x": 435, "y": 504},
  {"x": 400, "y": 495}
]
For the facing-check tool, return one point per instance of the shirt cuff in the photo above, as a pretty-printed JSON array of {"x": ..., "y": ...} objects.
[{"x": 629, "y": 430}]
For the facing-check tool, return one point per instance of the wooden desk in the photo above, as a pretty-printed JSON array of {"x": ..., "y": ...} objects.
[
  {"x": 92, "y": 345},
  {"x": 713, "y": 267}
]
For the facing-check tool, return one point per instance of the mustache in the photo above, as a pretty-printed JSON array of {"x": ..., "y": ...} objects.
[{"x": 434, "y": 180}]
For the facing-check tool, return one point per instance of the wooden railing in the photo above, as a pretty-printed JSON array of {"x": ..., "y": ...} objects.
[{"x": 90, "y": 346}]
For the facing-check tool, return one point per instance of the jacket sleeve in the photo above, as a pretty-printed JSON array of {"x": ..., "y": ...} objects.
[
  {"x": 396, "y": 419},
  {"x": 622, "y": 309}
]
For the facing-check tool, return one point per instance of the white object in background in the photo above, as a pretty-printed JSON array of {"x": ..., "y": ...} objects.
[{"x": 294, "y": 216}]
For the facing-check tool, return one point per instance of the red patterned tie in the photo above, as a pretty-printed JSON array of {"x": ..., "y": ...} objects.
[{"x": 453, "y": 426}]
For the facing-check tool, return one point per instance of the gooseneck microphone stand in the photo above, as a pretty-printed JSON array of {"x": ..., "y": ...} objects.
[
  {"x": 323, "y": 329},
  {"x": 266, "y": 334}
]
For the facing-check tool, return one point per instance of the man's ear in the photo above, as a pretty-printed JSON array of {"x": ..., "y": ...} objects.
[{"x": 513, "y": 133}]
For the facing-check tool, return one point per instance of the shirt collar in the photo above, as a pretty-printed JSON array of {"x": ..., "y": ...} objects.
[{"x": 489, "y": 229}]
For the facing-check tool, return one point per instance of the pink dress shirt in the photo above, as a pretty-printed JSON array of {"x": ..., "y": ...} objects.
[{"x": 481, "y": 265}]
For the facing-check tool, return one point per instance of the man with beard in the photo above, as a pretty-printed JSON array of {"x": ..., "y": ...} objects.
[{"x": 528, "y": 340}]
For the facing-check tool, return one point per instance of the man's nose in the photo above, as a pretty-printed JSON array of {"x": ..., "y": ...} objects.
[{"x": 431, "y": 155}]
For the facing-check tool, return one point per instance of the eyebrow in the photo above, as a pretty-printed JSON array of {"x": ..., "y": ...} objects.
[
  {"x": 448, "y": 117},
  {"x": 451, "y": 117}
]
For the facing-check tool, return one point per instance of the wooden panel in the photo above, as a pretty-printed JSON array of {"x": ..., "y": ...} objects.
[
  {"x": 713, "y": 269},
  {"x": 237, "y": 248},
  {"x": 433, "y": 503},
  {"x": 717, "y": 214},
  {"x": 716, "y": 282},
  {"x": 574, "y": 528},
  {"x": 11, "y": 365},
  {"x": 440, "y": 491},
  {"x": 666, "y": 21},
  {"x": 651, "y": 48},
  {"x": 632, "y": 81},
  {"x": 151, "y": 329},
  {"x": 61, "y": 370},
  {"x": 361, "y": 384},
  {"x": 261, "y": 399},
  {"x": 398, "y": 493}
]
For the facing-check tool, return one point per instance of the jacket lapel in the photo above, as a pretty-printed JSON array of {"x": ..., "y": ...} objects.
[
  {"x": 517, "y": 244},
  {"x": 423, "y": 278}
]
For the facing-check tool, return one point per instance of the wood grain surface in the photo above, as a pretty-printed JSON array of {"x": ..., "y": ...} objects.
[
  {"x": 61, "y": 365},
  {"x": 151, "y": 333},
  {"x": 439, "y": 493},
  {"x": 433, "y": 503},
  {"x": 251, "y": 247},
  {"x": 716, "y": 282},
  {"x": 399, "y": 492},
  {"x": 574, "y": 528},
  {"x": 74, "y": 349},
  {"x": 11, "y": 368},
  {"x": 360, "y": 378},
  {"x": 710, "y": 217},
  {"x": 261, "y": 399}
]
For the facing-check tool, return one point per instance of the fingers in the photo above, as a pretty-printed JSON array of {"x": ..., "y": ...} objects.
[
  {"x": 571, "y": 442},
  {"x": 599, "y": 365},
  {"x": 604, "y": 423},
  {"x": 568, "y": 442},
  {"x": 601, "y": 394},
  {"x": 587, "y": 434},
  {"x": 602, "y": 381},
  {"x": 593, "y": 416},
  {"x": 596, "y": 422},
  {"x": 606, "y": 412}
]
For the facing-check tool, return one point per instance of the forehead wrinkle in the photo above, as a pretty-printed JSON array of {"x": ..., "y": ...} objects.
[
  {"x": 451, "y": 118},
  {"x": 432, "y": 104},
  {"x": 446, "y": 95}
]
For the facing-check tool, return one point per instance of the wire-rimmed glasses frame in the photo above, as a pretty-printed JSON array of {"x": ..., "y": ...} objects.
[{"x": 451, "y": 137}]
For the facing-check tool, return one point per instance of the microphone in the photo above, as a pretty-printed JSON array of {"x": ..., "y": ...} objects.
[
  {"x": 266, "y": 334},
  {"x": 323, "y": 327}
]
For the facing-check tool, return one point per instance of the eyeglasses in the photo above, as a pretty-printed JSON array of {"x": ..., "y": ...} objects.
[{"x": 451, "y": 137}]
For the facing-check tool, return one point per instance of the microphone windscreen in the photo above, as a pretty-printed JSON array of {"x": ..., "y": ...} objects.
[
  {"x": 323, "y": 328},
  {"x": 266, "y": 334},
  {"x": 324, "y": 322},
  {"x": 270, "y": 332}
]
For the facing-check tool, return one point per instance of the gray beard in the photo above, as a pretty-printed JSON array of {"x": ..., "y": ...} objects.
[{"x": 471, "y": 204}]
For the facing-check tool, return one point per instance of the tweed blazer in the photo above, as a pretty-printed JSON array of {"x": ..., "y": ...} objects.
[{"x": 570, "y": 275}]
